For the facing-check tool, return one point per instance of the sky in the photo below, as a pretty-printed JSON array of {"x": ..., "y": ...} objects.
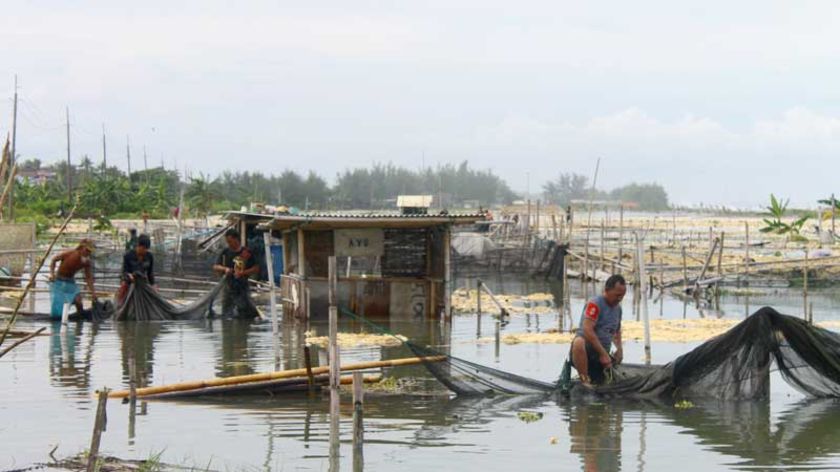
[{"x": 721, "y": 102}]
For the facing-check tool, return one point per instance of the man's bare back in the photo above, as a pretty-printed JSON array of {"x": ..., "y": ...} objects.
[{"x": 71, "y": 262}]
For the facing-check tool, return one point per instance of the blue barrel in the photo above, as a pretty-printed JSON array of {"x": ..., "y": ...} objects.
[{"x": 277, "y": 260}]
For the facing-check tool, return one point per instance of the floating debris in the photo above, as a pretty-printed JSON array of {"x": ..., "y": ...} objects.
[
  {"x": 681, "y": 331},
  {"x": 683, "y": 405},
  {"x": 464, "y": 301},
  {"x": 529, "y": 416},
  {"x": 357, "y": 340}
]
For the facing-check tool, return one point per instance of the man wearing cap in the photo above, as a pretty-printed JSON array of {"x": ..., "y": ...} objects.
[
  {"x": 599, "y": 329},
  {"x": 63, "y": 288}
]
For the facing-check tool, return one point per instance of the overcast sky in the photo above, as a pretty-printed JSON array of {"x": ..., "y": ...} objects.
[{"x": 719, "y": 101}]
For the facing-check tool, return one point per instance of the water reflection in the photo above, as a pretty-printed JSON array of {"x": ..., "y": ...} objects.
[
  {"x": 235, "y": 357},
  {"x": 137, "y": 349},
  {"x": 70, "y": 357},
  {"x": 595, "y": 431}
]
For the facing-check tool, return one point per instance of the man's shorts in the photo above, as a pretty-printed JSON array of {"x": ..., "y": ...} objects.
[
  {"x": 62, "y": 291},
  {"x": 596, "y": 370}
]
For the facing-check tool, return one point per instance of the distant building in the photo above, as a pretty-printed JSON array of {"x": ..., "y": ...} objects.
[{"x": 36, "y": 176}]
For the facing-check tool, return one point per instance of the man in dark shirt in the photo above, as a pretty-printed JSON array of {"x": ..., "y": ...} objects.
[
  {"x": 237, "y": 264},
  {"x": 137, "y": 263}
]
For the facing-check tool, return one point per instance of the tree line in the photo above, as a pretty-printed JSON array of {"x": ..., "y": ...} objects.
[
  {"x": 112, "y": 193},
  {"x": 570, "y": 186}
]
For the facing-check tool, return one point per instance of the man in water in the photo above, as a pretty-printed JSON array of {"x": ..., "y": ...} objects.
[
  {"x": 237, "y": 264},
  {"x": 599, "y": 328},
  {"x": 138, "y": 262},
  {"x": 63, "y": 287}
]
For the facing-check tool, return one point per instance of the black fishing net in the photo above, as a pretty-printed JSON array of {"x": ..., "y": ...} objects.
[
  {"x": 143, "y": 303},
  {"x": 733, "y": 365}
]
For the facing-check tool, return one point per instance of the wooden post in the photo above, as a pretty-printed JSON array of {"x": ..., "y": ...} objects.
[
  {"x": 584, "y": 273},
  {"x": 620, "y": 233},
  {"x": 335, "y": 370},
  {"x": 603, "y": 235},
  {"x": 554, "y": 230},
  {"x": 301, "y": 253},
  {"x": 307, "y": 360},
  {"x": 132, "y": 393},
  {"x": 286, "y": 253},
  {"x": 719, "y": 270},
  {"x": 650, "y": 281},
  {"x": 705, "y": 267},
  {"x": 502, "y": 311},
  {"x": 335, "y": 366},
  {"x": 528, "y": 223},
  {"x": 566, "y": 296},
  {"x": 358, "y": 422},
  {"x": 269, "y": 263},
  {"x": 537, "y": 225},
  {"x": 478, "y": 296},
  {"x": 447, "y": 275},
  {"x": 640, "y": 256},
  {"x": 805, "y": 284},
  {"x": 747, "y": 252},
  {"x": 833, "y": 212},
  {"x": 498, "y": 337},
  {"x": 99, "y": 425},
  {"x": 685, "y": 271}
]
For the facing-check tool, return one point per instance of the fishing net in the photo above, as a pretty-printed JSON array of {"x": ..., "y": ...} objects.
[
  {"x": 143, "y": 303},
  {"x": 733, "y": 365}
]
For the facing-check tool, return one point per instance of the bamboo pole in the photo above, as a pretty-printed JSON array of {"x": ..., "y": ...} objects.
[
  {"x": 502, "y": 311},
  {"x": 335, "y": 363},
  {"x": 747, "y": 252},
  {"x": 705, "y": 267},
  {"x": 358, "y": 422},
  {"x": 685, "y": 271},
  {"x": 602, "y": 254},
  {"x": 640, "y": 257},
  {"x": 805, "y": 285},
  {"x": 269, "y": 263},
  {"x": 621, "y": 232},
  {"x": 307, "y": 362},
  {"x": 283, "y": 374},
  {"x": 22, "y": 340}
]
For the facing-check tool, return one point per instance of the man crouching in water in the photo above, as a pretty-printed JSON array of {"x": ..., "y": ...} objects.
[
  {"x": 63, "y": 289},
  {"x": 237, "y": 264},
  {"x": 599, "y": 328}
]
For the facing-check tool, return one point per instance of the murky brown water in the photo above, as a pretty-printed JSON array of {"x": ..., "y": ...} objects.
[{"x": 48, "y": 386}]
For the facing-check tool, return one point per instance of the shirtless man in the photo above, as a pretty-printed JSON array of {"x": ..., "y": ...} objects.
[{"x": 63, "y": 288}]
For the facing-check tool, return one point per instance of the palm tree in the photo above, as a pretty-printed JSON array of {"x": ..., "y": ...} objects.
[{"x": 200, "y": 195}]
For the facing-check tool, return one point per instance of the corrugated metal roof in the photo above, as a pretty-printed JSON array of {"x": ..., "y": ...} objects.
[{"x": 382, "y": 214}]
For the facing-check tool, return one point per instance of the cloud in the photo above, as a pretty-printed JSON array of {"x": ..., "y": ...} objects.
[{"x": 697, "y": 158}]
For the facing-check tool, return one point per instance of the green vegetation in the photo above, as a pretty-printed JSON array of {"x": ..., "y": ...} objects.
[
  {"x": 683, "y": 405},
  {"x": 777, "y": 210},
  {"x": 568, "y": 187},
  {"x": 110, "y": 192},
  {"x": 829, "y": 202},
  {"x": 529, "y": 416}
]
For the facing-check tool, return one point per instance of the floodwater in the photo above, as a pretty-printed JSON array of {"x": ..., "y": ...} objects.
[{"x": 49, "y": 384}]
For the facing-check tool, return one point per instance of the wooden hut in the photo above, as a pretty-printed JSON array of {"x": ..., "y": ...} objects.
[{"x": 390, "y": 264}]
